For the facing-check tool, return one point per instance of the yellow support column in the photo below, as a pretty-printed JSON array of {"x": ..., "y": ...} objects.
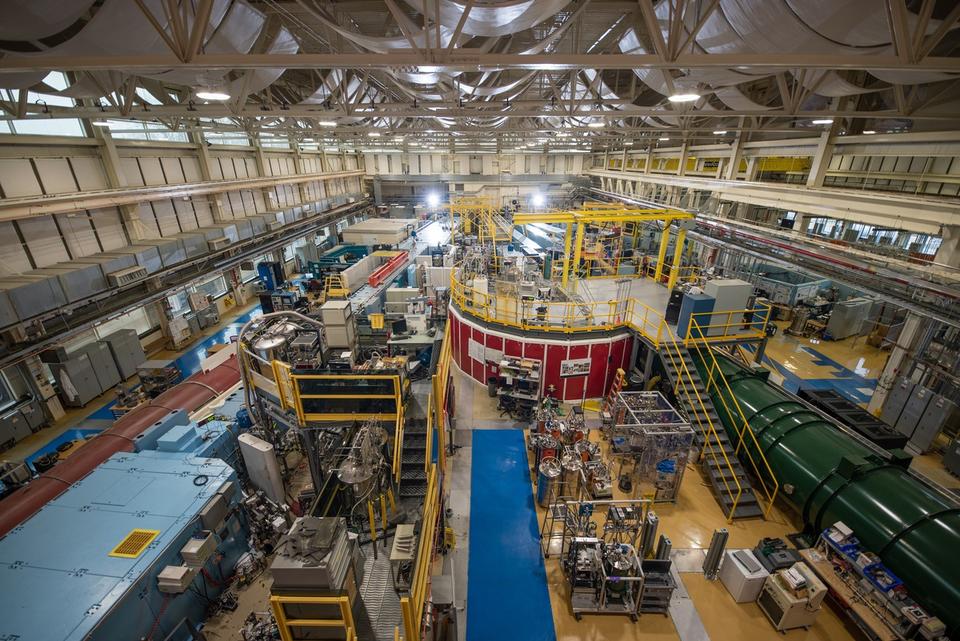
[
  {"x": 677, "y": 258},
  {"x": 567, "y": 239},
  {"x": 662, "y": 256},
  {"x": 578, "y": 246}
]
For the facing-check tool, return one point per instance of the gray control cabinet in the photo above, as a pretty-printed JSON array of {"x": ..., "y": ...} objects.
[
  {"x": 941, "y": 413},
  {"x": 896, "y": 399},
  {"x": 104, "y": 367},
  {"x": 951, "y": 458},
  {"x": 8, "y": 315},
  {"x": 33, "y": 294},
  {"x": 13, "y": 428},
  {"x": 34, "y": 415},
  {"x": 83, "y": 385},
  {"x": 194, "y": 243},
  {"x": 127, "y": 352},
  {"x": 913, "y": 410}
]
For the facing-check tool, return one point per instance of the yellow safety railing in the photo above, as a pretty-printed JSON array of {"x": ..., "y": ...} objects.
[
  {"x": 762, "y": 471},
  {"x": 412, "y": 605},
  {"x": 685, "y": 273},
  {"x": 727, "y": 326},
  {"x": 285, "y": 624},
  {"x": 711, "y": 440},
  {"x": 398, "y": 444}
]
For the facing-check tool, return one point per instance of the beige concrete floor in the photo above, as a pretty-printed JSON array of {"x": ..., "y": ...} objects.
[{"x": 689, "y": 523}]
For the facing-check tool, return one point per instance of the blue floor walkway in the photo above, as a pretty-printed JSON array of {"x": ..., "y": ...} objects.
[{"x": 507, "y": 594}]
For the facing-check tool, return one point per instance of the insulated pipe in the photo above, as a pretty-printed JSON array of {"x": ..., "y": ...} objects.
[
  {"x": 190, "y": 395},
  {"x": 830, "y": 476}
]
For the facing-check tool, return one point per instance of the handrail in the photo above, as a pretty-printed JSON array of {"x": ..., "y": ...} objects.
[
  {"x": 705, "y": 424},
  {"x": 746, "y": 329},
  {"x": 398, "y": 443},
  {"x": 411, "y": 606},
  {"x": 716, "y": 379}
]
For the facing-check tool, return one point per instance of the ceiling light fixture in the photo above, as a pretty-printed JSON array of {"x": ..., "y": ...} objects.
[
  {"x": 374, "y": 134},
  {"x": 327, "y": 123},
  {"x": 866, "y": 131},
  {"x": 720, "y": 132},
  {"x": 823, "y": 121},
  {"x": 595, "y": 125},
  {"x": 683, "y": 97},
  {"x": 664, "y": 138},
  {"x": 212, "y": 95}
]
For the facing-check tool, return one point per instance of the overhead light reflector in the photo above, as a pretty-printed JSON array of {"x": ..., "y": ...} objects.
[{"x": 213, "y": 95}]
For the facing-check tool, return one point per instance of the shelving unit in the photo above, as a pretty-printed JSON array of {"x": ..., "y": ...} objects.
[{"x": 518, "y": 385}]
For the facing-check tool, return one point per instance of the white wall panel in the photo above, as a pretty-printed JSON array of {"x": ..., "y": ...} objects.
[
  {"x": 240, "y": 168},
  {"x": 43, "y": 240},
  {"x": 17, "y": 178},
  {"x": 202, "y": 210},
  {"x": 236, "y": 203},
  {"x": 89, "y": 173},
  {"x": 152, "y": 173},
  {"x": 191, "y": 169},
  {"x": 13, "y": 259},
  {"x": 166, "y": 217},
  {"x": 109, "y": 227},
  {"x": 251, "y": 167},
  {"x": 227, "y": 169},
  {"x": 184, "y": 209},
  {"x": 148, "y": 221},
  {"x": 55, "y": 175},
  {"x": 78, "y": 234},
  {"x": 260, "y": 202},
  {"x": 172, "y": 171},
  {"x": 215, "y": 172}
]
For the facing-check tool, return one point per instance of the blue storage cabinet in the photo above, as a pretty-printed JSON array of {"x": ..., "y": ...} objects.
[{"x": 692, "y": 304}]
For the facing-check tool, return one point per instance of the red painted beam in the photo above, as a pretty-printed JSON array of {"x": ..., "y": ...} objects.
[{"x": 384, "y": 271}]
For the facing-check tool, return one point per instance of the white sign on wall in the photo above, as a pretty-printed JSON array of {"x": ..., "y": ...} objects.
[{"x": 575, "y": 367}]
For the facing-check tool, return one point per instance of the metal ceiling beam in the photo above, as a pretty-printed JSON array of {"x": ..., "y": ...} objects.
[{"x": 470, "y": 60}]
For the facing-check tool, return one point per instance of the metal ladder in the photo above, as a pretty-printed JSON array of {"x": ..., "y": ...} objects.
[{"x": 721, "y": 476}]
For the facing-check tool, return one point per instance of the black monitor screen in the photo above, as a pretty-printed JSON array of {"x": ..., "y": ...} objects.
[{"x": 399, "y": 326}]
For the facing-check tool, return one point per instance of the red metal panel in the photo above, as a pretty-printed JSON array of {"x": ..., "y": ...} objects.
[
  {"x": 597, "y": 385},
  {"x": 551, "y": 369},
  {"x": 533, "y": 350},
  {"x": 575, "y": 384},
  {"x": 512, "y": 348}
]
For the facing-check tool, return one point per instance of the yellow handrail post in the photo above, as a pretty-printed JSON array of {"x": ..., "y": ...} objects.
[
  {"x": 677, "y": 257},
  {"x": 662, "y": 255},
  {"x": 578, "y": 247},
  {"x": 567, "y": 239}
]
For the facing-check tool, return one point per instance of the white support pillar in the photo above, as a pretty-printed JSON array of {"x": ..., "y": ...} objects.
[
  {"x": 736, "y": 155},
  {"x": 682, "y": 165},
  {"x": 115, "y": 178},
  {"x": 949, "y": 252},
  {"x": 649, "y": 163},
  {"x": 203, "y": 155},
  {"x": 912, "y": 329}
]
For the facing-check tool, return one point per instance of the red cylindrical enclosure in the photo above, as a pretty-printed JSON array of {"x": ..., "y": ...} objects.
[{"x": 579, "y": 366}]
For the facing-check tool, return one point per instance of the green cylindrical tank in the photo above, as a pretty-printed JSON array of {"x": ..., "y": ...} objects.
[{"x": 829, "y": 476}]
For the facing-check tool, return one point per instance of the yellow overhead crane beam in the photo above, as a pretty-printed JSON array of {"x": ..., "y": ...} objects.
[{"x": 577, "y": 219}]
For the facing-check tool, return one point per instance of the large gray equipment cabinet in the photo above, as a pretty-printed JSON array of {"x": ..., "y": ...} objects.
[
  {"x": 104, "y": 367},
  {"x": 127, "y": 351},
  {"x": 913, "y": 410},
  {"x": 82, "y": 386},
  {"x": 941, "y": 414},
  {"x": 899, "y": 395}
]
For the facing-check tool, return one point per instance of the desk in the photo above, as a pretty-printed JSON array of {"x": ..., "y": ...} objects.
[{"x": 866, "y": 620}]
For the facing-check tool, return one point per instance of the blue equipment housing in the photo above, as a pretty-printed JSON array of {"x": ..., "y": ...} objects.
[{"x": 60, "y": 573}]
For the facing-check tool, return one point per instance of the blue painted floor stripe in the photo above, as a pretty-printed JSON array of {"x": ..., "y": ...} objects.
[{"x": 507, "y": 594}]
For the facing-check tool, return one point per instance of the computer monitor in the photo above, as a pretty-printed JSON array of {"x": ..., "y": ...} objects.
[{"x": 399, "y": 326}]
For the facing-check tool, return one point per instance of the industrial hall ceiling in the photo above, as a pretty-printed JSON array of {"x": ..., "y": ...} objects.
[{"x": 557, "y": 74}]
